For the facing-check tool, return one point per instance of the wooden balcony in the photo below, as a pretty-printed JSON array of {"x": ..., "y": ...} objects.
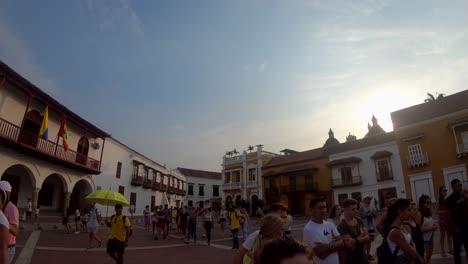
[
  {"x": 156, "y": 186},
  {"x": 163, "y": 187},
  {"x": 298, "y": 188},
  {"x": 147, "y": 184},
  {"x": 351, "y": 181},
  {"x": 137, "y": 181},
  {"x": 32, "y": 145}
]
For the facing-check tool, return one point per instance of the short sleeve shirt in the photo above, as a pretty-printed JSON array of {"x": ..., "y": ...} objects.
[
  {"x": 12, "y": 215},
  {"x": 321, "y": 233},
  {"x": 119, "y": 228},
  {"x": 235, "y": 219}
]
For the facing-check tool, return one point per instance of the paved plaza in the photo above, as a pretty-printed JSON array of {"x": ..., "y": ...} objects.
[{"x": 53, "y": 246}]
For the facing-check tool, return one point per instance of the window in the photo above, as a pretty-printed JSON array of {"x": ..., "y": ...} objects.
[
  {"x": 252, "y": 175},
  {"x": 190, "y": 189},
  {"x": 135, "y": 170},
  {"x": 122, "y": 190},
  {"x": 347, "y": 175},
  {"x": 133, "y": 198},
  {"x": 383, "y": 169},
  {"x": 215, "y": 190},
  {"x": 227, "y": 177},
  {"x": 119, "y": 170},
  {"x": 342, "y": 197},
  {"x": 201, "y": 190},
  {"x": 309, "y": 181}
]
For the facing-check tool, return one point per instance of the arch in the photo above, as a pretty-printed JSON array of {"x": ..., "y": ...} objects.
[
  {"x": 82, "y": 150},
  {"x": 238, "y": 197},
  {"x": 30, "y": 128},
  {"x": 53, "y": 191},
  {"x": 77, "y": 199},
  {"x": 22, "y": 181}
]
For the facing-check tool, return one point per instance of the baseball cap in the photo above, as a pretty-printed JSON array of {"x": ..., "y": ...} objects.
[{"x": 4, "y": 185}]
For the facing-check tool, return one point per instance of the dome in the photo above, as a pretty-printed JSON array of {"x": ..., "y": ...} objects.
[{"x": 331, "y": 141}]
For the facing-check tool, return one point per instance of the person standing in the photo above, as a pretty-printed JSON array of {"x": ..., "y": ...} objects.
[
  {"x": 354, "y": 235},
  {"x": 234, "y": 219},
  {"x": 192, "y": 229},
  {"x": 160, "y": 224},
  {"x": 208, "y": 223},
  {"x": 132, "y": 209},
  {"x": 183, "y": 222},
  {"x": 4, "y": 229},
  {"x": 335, "y": 215},
  {"x": 93, "y": 225},
  {"x": 288, "y": 224},
  {"x": 11, "y": 212},
  {"x": 368, "y": 214},
  {"x": 167, "y": 217},
  {"x": 223, "y": 219},
  {"x": 322, "y": 236},
  {"x": 457, "y": 204},
  {"x": 77, "y": 220},
  {"x": 444, "y": 222},
  {"x": 245, "y": 223},
  {"x": 119, "y": 233},
  {"x": 147, "y": 217},
  {"x": 271, "y": 227},
  {"x": 428, "y": 227},
  {"x": 29, "y": 209},
  {"x": 413, "y": 223}
]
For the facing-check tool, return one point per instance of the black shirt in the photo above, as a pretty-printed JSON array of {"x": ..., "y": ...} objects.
[{"x": 458, "y": 209}]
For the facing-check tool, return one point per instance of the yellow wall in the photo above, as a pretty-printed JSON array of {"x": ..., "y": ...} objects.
[{"x": 439, "y": 143}]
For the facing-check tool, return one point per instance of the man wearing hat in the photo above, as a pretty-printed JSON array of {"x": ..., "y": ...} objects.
[
  {"x": 11, "y": 212},
  {"x": 118, "y": 238}
]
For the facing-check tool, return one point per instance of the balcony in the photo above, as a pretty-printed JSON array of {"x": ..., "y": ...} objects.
[
  {"x": 350, "y": 181},
  {"x": 462, "y": 150},
  {"x": 31, "y": 144},
  {"x": 298, "y": 188},
  {"x": 156, "y": 186},
  {"x": 232, "y": 186},
  {"x": 137, "y": 181},
  {"x": 252, "y": 184},
  {"x": 417, "y": 160},
  {"x": 163, "y": 187},
  {"x": 147, "y": 184},
  {"x": 386, "y": 176}
]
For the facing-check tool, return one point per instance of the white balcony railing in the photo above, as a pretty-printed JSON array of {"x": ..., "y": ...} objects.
[
  {"x": 232, "y": 186},
  {"x": 462, "y": 148},
  {"x": 417, "y": 160},
  {"x": 235, "y": 159},
  {"x": 252, "y": 184}
]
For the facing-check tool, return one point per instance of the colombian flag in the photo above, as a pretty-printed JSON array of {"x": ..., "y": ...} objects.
[
  {"x": 44, "y": 132},
  {"x": 64, "y": 132}
]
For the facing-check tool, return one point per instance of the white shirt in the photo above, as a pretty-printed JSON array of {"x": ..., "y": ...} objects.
[
  {"x": 321, "y": 233},
  {"x": 429, "y": 222},
  {"x": 4, "y": 220},
  {"x": 248, "y": 243}
]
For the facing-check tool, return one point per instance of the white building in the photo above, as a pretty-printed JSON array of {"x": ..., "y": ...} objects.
[
  {"x": 368, "y": 166},
  {"x": 202, "y": 187},
  {"x": 141, "y": 180}
]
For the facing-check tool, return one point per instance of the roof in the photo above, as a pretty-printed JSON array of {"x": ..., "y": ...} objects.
[
  {"x": 296, "y": 157},
  {"x": 363, "y": 142},
  {"x": 344, "y": 161},
  {"x": 299, "y": 168},
  {"x": 425, "y": 111},
  {"x": 200, "y": 173},
  {"x": 47, "y": 99},
  {"x": 381, "y": 154}
]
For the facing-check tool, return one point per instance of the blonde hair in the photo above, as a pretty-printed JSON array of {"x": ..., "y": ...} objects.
[{"x": 271, "y": 227}]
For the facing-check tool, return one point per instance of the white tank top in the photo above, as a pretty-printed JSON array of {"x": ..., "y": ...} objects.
[{"x": 393, "y": 245}]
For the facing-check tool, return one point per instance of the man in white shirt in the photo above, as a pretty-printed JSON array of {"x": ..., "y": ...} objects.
[
  {"x": 277, "y": 209},
  {"x": 322, "y": 236}
]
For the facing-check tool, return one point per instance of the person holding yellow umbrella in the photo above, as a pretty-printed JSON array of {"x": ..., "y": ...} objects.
[{"x": 107, "y": 197}]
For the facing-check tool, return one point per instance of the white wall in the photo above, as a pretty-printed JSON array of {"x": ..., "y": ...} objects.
[{"x": 208, "y": 190}]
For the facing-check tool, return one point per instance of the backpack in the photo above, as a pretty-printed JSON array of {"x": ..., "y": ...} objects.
[
  {"x": 385, "y": 254},
  {"x": 124, "y": 218}
]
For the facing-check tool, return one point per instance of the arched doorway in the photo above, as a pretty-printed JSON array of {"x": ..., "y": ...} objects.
[
  {"x": 22, "y": 183},
  {"x": 52, "y": 193},
  {"x": 82, "y": 151},
  {"x": 77, "y": 198},
  {"x": 31, "y": 126},
  {"x": 238, "y": 200}
]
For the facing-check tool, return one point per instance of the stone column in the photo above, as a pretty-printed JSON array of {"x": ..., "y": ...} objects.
[
  {"x": 35, "y": 198},
  {"x": 66, "y": 203}
]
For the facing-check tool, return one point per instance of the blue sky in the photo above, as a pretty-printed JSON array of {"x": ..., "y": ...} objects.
[{"x": 185, "y": 81}]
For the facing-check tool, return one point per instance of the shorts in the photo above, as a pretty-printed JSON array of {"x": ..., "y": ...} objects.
[
  {"x": 28, "y": 213},
  {"x": 371, "y": 234},
  {"x": 115, "y": 246}
]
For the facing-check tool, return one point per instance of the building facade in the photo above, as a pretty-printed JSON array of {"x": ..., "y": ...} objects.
[
  {"x": 242, "y": 176},
  {"x": 203, "y": 187},
  {"x": 433, "y": 143}
]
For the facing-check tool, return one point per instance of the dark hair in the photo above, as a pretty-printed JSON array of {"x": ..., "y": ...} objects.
[
  {"x": 332, "y": 214},
  {"x": 315, "y": 201},
  {"x": 441, "y": 196},
  {"x": 275, "y": 208},
  {"x": 454, "y": 182},
  {"x": 279, "y": 249},
  {"x": 392, "y": 213},
  {"x": 349, "y": 202},
  {"x": 3, "y": 196},
  {"x": 426, "y": 212}
]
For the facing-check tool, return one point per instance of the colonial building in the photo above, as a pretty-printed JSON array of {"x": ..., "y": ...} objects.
[
  {"x": 433, "y": 143},
  {"x": 242, "y": 174},
  {"x": 368, "y": 166},
  {"x": 296, "y": 177},
  {"x": 140, "y": 179},
  {"x": 203, "y": 187},
  {"x": 55, "y": 176}
]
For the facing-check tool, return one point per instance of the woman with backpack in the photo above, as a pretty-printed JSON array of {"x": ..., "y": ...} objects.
[{"x": 397, "y": 238}]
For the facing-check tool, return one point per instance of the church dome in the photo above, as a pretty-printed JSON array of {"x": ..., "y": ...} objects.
[{"x": 331, "y": 141}]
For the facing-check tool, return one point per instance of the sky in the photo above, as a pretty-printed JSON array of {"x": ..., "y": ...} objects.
[{"x": 185, "y": 81}]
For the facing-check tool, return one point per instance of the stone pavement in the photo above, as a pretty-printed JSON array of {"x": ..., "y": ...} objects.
[{"x": 53, "y": 246}]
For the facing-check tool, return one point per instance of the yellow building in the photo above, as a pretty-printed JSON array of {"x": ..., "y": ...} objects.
[
  {"x": 433, "y": 144},
  {"x": 296, "y": 177}
]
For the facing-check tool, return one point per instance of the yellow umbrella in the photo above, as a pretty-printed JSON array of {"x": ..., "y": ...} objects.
[{"x": 107, "y": 197}]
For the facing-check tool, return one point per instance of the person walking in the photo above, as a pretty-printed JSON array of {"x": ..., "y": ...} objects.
[
  {"x": 244, "y": 221},
  {"x": 93, "y": 225},
  {"x": 84, "y": 220},
  {"x": 77, "y": 220},
  {"x": 354, "y": 234},
  {"x": 322, "y": 236},
  {"x": 147, "y": 217},
  {"x": 167, "y": 217},
  {"x": 192, "y": 229},
  {"x": 11, "y": 212},
  {"x": 428, "y": 227},
  {"x": 4, "y": 229},
  {"x": 223, "y": 219},
  {"x": 160, "y": 224},
  {"x": 119, "y": 234},
  {"x": 413, "y": 224},
  {"x": 208, "y": 223},
  {"x": 444, "y": 222},
  {"x": 183, "y": 222},
  {"x": 368, "y": 214},
  {"x": 288, "y": 224},
  {"x": 132, "y": 209},
  {"x": 234, "y": 219},
  {"x": 29, "y": 210},
  {"x": 457, "y": 204}
]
